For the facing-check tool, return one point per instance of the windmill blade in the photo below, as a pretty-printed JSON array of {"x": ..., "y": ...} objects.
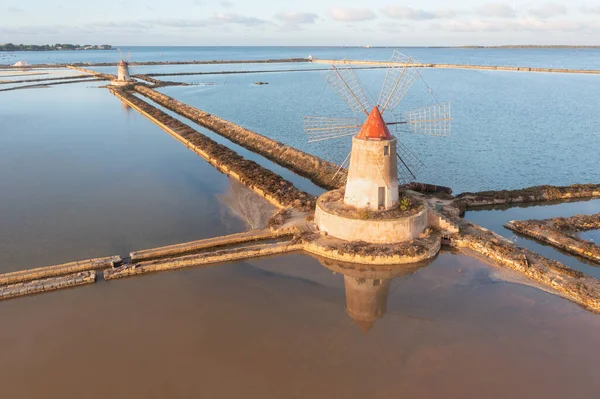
[
  {"x": 409, "y": 165},
  {"x": 399, "y": 78},
  {"x": 320, "y": 128},
  {"x": 121, "y": 55},
  {"x": 128, "y": 56},
  {"x": 434, "y": 120},
  {"x": 346, "y": 84}
]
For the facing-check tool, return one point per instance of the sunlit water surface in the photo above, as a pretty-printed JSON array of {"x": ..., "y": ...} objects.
[
  {"x": 279, "y": 327},
  {"x": 510, "y": 129},
  {"x": 83, "y": 177}
]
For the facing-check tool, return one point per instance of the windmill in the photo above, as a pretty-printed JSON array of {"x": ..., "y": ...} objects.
[
  {"x": 123, "y": 68},
  {"x": 373, "y": 180}
]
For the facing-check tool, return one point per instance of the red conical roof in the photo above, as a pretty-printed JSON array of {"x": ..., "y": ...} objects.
[{"x": 374, "y": 127}]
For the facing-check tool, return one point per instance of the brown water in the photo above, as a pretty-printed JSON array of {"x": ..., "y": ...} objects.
[
  {"x": 81, "y": 177},
  {"x": 278, "y": 328}
]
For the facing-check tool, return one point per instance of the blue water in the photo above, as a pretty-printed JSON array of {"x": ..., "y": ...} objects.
[
  {"x": 510, "y": 129},
  {"x": 592, "y": 235},
  {"x": 551, "y": 58},
  {"x": 495, "y": 219}
]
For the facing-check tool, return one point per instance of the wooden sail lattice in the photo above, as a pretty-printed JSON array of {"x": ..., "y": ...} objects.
[{"x": 403, "y": 71}]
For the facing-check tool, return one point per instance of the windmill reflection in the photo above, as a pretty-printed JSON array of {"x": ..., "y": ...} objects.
[{"x": 368, "y": 287}]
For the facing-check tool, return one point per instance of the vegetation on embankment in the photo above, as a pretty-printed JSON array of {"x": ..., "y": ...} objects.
[
  {"x": 560, "y": 233},
  {"x": 545, "y": 193},
  {"x": 320, "y": 172},
  {"x": 259, "y": 179}
]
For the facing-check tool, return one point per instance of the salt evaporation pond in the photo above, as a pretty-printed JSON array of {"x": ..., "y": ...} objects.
[
  {"x": 83, "y": 177},
  {"x": 511, "y": 129},
  {"x": 86, "y": 178},
  {"x": 278, "y": 327}
]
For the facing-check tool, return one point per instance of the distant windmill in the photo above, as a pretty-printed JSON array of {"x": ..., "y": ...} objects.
[
  {"x": 123, "y": 68},
  {"x": 434, "y": 120}
]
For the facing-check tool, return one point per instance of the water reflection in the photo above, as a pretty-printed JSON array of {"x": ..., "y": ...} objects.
[{"x": 368, "y": 288}]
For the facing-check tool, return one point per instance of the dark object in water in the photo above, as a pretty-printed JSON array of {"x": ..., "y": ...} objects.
[
  {"x": 261, "y": 83},
  {"x": 428, "y": 188}
]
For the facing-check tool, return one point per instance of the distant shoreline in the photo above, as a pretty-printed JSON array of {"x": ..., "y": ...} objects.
[{"x": 54, "y": 47}]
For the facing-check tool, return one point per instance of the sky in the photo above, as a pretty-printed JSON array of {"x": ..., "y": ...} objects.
[{"x": 300, "y": 22}]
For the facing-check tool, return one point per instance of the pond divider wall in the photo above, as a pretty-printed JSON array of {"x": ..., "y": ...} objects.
[
  {"x": 203, "y": 259},
  {"x": 3, "y": 82},
  {"x": 545, "y": 231},
  {"x": 209, "y": 243},
  {"x": 264, "y": 182},
  {"x": 317, "y": 170},
  {"x": 59, "y": 270},
  {"x": 545, "y": 193},
  {"x": 559, "y": 278},
  {"x": 462, "y": 66},
  {"x": 106, "y": 76},
  {"x": 49, "y": 284}
]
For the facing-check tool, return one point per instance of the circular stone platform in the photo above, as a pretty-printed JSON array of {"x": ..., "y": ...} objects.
[{"x": 338, "y": 220}]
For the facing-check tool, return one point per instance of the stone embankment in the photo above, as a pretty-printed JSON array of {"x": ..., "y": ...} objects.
[
  {"x": 557, "y": 277},
  {"x": 264, "y": 182},
  {"x": 47, "y": 84},
  {"x": 202, "y": 259},
  {"x": 209, "y": 243},
  {"x": 246, "y": 72},
  {"x": 105, "y": 76},
  {"x": 3, "y": 82},
  {"x": 320, "y": 172},
  {"x": 59, "y": 270},
  {"x": 546, "y": 193},
  {"x": 559, "y": 233},
  {"x": 45, "y": 285},
  {"x": 461, "y": 66},
  {"x": 158, "y": 83},
  {"x": 139, "y": 63}
]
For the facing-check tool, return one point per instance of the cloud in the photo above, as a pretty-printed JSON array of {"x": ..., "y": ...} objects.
[
  {"x": 296, "y": 18},
  {"x": 521, "y": 24},
  {"x": 216, "y": 20},
  {"x": 226, "y": 4},
  {"x": 240, "y": 19},
  {"x": 498, "y": 10},
  {"x": 15, "y": 10},
  {"x": 548, "y": 10},
  {"x": 403, "y": 12},
  {"x": 590, "y": 10},
  {"x": 344, "y": 14}
]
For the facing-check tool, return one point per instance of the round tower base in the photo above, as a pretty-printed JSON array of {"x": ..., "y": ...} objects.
[
  {"x": 416, "y": 252},
  {"x": 338, "y": 220}
]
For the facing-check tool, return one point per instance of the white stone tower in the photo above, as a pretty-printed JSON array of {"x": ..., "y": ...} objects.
[
  {"x": 123, "y": 72},
  {"x": 372, "y": 175}
]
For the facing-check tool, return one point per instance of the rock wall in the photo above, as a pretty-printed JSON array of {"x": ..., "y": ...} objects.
[
  {"x": 59, "y": 270},
  {"x": 49, "y": 284},
  {"x": 566, "y": 282},
  {"x": 320, "y": 172},
  {"x": 546, "y": 193},
  {"x": 546, "y": 231},
  {"x": 264, "y": 182}
]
